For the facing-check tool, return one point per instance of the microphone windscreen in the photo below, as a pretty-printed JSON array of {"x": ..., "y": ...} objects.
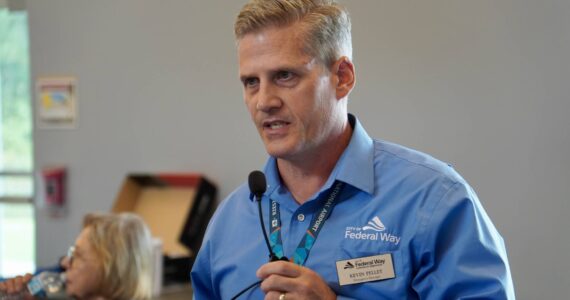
[{"x": 257, "y": 183}]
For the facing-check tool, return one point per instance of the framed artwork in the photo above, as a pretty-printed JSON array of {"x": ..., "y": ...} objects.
[{"x": 57, "y": 102}]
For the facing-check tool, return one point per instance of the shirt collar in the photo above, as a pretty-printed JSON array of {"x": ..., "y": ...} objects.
[
  {"x": 356, "y": 164},
  {"x": 354, "y": 167}
]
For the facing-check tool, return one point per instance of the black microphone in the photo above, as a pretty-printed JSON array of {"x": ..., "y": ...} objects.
[{"x": 257, "y": 186}]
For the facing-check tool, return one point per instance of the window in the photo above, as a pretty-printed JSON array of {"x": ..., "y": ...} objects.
[{"x": 17, "y": 233}]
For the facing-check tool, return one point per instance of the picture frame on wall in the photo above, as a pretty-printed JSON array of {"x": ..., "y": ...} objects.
[{"x": 56, "y": 102}]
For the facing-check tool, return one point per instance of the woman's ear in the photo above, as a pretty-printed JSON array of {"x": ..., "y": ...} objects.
[{"x": 344, "y": 71}]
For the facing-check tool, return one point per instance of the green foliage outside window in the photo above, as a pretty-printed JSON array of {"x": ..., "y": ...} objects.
[
  {"x": 17, "y": 240},
  {"x": 15, "y": 109}
]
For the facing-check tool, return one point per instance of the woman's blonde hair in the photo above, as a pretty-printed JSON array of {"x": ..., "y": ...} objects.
[
  {"x": 326, "y": 24},
  {"x": 122, "y": 243}
]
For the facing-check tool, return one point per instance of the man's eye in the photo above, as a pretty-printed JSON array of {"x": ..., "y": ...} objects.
[
  {"x": 284, "y": 75},
  {"x": 249, "y": 82}
]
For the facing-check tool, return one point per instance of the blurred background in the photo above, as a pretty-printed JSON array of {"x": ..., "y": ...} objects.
[{"x": 483, "y": 85}]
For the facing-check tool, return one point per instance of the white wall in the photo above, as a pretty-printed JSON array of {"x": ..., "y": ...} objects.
[{"x": 483, "y": 85}]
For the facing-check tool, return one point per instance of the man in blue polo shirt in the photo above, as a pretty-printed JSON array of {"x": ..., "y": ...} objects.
[{"x": 357, "y": 218}]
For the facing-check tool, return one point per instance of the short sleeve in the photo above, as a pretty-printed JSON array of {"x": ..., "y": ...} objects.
[{"x": 462, "y": 254}]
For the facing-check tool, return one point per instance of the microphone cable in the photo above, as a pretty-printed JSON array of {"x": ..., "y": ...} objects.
[
  {"x": 257, "y": 186},
  {"x": 246, "y": 289}
]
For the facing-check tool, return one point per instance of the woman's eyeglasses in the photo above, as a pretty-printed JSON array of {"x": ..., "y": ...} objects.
[{"x": 70, "y": 253}]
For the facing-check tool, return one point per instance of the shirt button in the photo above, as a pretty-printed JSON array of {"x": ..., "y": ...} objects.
[{"x": 300, "y": 217}]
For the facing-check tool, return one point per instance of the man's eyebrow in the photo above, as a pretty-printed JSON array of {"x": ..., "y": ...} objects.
[
  {"x": 243, "y": 78},
  {"x": 274, "y": 71},
  {"x": 285, "y": 69}
]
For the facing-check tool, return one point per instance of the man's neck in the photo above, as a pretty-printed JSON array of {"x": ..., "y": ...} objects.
[{"x": 304, "y": 176}]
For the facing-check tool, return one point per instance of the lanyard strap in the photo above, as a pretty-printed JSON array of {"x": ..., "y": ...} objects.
[{"x": 317, "y": 222}]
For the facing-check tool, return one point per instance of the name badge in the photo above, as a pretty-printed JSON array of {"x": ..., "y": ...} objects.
[{"x": 365, "y": 269}]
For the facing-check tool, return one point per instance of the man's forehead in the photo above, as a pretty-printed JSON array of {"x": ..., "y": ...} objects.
[
  {"x": 272, "y": 36},
  {"x": 272, "y": 49},
  {"x": 255, "y": 65}
]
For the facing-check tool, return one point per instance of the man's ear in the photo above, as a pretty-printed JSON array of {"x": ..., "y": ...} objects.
[{"x": 344, "y": 72}]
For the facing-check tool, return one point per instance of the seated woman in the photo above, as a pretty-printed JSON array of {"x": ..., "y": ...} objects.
[{"x": 111, "y": 259}]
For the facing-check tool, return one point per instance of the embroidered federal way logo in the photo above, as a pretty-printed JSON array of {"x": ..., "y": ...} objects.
[
  {"x": 373, "y": 231},
  {"x": 375, "y": 224}
]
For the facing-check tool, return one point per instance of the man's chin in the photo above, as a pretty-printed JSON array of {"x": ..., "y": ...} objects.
[{"x": 279, "y": 152}]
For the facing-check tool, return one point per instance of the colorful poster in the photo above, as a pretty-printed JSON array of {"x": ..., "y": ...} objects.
[{"x": 57, "y": 102}]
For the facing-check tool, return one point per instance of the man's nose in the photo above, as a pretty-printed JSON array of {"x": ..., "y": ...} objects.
[{"x": 268, "y": 98}]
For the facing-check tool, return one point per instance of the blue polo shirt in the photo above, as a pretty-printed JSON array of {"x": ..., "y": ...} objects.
[{"x": 396, "y": 201}]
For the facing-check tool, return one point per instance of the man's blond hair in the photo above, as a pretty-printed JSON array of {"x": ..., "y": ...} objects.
[
  {"x": 122, "y": 243},
  {"x": 326, "y": 24}
]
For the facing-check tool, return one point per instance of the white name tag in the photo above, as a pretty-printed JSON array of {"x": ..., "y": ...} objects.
[{"x": 365, "y": 269}]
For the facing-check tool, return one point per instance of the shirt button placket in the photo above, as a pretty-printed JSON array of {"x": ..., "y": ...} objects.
[{"x": 300, "y": 217}]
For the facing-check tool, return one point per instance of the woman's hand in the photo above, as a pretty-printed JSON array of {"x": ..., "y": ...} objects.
[{"x": 16, "y": 285}]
